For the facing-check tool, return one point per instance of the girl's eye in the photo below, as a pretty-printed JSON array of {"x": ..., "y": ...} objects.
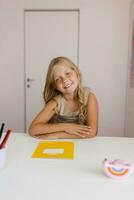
[
  {"x": 57, "y": 80},
  {"x": 68, "y": 73}
]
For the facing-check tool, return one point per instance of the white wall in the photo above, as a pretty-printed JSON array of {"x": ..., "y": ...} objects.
[
  {"x": 129, "y": 125},
  {"x": 104, "y": 31}
]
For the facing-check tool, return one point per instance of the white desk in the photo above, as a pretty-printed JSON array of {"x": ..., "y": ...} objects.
[{"x": 25, "y": 178}]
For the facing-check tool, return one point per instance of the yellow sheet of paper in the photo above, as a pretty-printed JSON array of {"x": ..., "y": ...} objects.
[{"x": 66, "y": 147}]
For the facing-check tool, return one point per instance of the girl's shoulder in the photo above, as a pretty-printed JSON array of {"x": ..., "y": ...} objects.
[
  {"x": 57, "y": 98},
  {"x": 91, "y": 98},
  {"x": 86, "y": 91},
  {"x": 52, "y": 103},
  {"x": 59, "y": 101}
]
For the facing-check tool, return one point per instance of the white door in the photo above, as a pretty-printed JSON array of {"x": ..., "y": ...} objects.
[{"x": 48, "y": 34}]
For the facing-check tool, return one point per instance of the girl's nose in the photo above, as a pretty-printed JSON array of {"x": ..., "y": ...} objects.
[{"x": 64, "y": 79}]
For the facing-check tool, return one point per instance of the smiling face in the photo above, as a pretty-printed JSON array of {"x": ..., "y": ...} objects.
[{"x": 65, "y": 78}]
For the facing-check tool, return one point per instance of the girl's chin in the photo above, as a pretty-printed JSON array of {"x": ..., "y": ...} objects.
[{"x": 70, "y": 90}]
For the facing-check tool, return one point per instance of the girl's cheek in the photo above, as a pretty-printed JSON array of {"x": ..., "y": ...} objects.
[{"x": 58, "y": 87}]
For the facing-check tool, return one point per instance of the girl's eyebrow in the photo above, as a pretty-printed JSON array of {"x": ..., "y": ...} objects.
[
  {"x": 56, "y": 77},
  {"x": 68, "y": 70}
]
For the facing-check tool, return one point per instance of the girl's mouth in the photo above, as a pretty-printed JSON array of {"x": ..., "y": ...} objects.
[{"x": 67, "y": 85}]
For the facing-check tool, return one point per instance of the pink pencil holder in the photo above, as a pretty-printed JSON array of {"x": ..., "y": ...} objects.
[
  {"x": 2, "y": 157},
  {"x": 117, "y": 169}
]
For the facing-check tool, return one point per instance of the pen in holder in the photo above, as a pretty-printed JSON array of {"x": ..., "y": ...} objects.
[{"x": 3, "y": 149}]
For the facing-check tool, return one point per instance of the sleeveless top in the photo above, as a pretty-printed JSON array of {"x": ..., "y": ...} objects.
[{"x": 64, "y": 115}]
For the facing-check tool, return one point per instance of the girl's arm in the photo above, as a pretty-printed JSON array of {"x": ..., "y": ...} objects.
[
  {"x": 58, "y": 135},
  {"x": 40, "y": 125},
  {"x": 92, "y": 114}
]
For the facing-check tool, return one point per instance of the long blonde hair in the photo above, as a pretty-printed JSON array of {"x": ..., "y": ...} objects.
[{"x": 50, "y": 90}]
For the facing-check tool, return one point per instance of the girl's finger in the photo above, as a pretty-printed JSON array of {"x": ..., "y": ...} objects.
[
  {"x": 84, "y": 132},
  {"x": 78, "y": 134}
]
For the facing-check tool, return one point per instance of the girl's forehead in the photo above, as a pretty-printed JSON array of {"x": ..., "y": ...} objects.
[{"x": 61, "y": 67}]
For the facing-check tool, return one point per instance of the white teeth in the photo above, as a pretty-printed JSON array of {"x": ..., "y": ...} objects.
[{"x": 66, "y": 86}]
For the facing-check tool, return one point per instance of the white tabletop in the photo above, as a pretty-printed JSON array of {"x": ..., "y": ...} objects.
[{"x": 25, "y": 178}]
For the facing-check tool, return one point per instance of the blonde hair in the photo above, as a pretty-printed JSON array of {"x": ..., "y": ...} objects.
[{"x": 50, "y": 90}]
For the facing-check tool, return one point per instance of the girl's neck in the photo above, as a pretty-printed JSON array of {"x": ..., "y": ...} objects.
[
  {"x": 69, "y": 97},
  {"x": 71, "y": 103}
]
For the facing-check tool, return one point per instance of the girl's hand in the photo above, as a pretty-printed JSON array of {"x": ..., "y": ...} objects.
[
  {"x": 82, "y": 131},
  {"x": 57, "y": 135}
]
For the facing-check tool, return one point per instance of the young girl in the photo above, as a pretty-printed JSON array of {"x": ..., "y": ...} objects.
[{"x": 70, "y": 110}]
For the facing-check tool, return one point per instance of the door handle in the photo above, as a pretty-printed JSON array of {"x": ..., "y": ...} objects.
[{"x": 30, "y": 79}]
